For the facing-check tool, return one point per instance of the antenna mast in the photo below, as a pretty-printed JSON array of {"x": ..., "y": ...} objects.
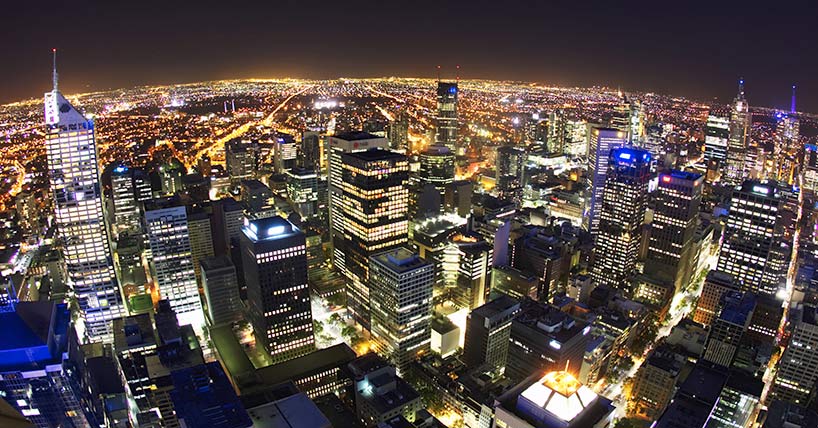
[{"x": 54, "y": 68}]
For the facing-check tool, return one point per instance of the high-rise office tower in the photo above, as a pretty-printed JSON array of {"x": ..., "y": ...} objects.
[
  {"x": 126, "y": 210},
  {"x": 74, "y": 176},
  {"x": 142, "y": 185},
  {"x": 621, "y": 117},
  {"x": 809, "y": 168},
  {"x": 544, "y": 338},
  {"x": 285, "y": 153},
  {"x": 446, "y": 122},
  {"x": 787, "y": 146},
  {"x": 510, "y": 172},
  {"x": 715, "y": 285},
  {"x": 274, "y": 259},
  {"x": 636, "y": 132},
  {"x": 488, "y": 329},
  {"x": 556, "y": 131},
  {"x": 471, "y": 257},
  {"x": 602, "y": 141},
  {"x": 437, "y": 166},
  {"x": 310, "y": 150},
  {"x": 201, "y": 237},
  {"x": 796, "y": 376},
  {"x": 728, "y": 328},
  {"x": 716, "y": 135},
  {"x": 171, "y": 176},
  {"x": 401, "y": 300},
  {"x": 349, "y": 142},
  {"x": 398, "y": 131},
  {"x": 256, "y": 197},
  {"x": 753, "y": 249},
  {"x": 204, "y": 166},
  {"x": 738, "y": 402},
  {"x": 240, "y": 160},
  {"x": 737, "y": 142},
  {"x": 621, "y": 214},
  {"x": 302, "y": 190},
  {"x": 221, "y": 290},
  {"x": 171, "y": 259},
  {"x": 671, "y": 252},
  {"x": 654, "y": 382},
  {"x": 374, "y": 205}
]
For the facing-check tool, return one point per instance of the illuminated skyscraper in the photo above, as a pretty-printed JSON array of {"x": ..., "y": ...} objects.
[
  {"x": 556, "y": 131},
  {"x": 302, "y": 190},
  {"x": 810, "y": 169},
  {"x": 374, "y": 205},
  {"x": 349, "y": 142},
  {"x": 446, "y": 123},
  {"x": 310, "y": 150},
  {"x": 621, "y": 214},
  {"x": 401, "y": 297},
  {"x": 675, "y": 219},
  {"x": 398, "y": 131},
  {"x": 510, "y": 172},
  {"x": 172, "y": 261},
  {"x": 796, "y": 376},
  {"x": 74, "y": 176},
  {"x": 274, "y": 258},
  {"x": 716, "y": 135},
  {"x": 437, "y": 166},
  {"x": 621, "y": 118},
  {"x": 753, "y": 249},
  {"x": 787, "y": 145},
  {"x": 126, "y": 211},
  {"x": 285, "y": 153},
  {"x": 737, "y": 143},
  {"x": 240, "y": 160},
  {"x": 602, "y": 141}
]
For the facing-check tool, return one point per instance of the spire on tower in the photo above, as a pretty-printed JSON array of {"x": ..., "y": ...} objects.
[
  {"x": 438, "y": 74},
  {"x": 54, "y": 68},
  {"x": 792, "y": 101},
  {"x": 457, "y": 76},
  {"x": 741, "y": 87}
]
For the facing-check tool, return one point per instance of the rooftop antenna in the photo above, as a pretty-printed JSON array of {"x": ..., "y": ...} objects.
[
  {"x": 54, "y": 68},
  {"x": 457, "y": 76},
  {"x": 741, "y": 86},
  {"x": 792, "y": 101},
  {"x": 438, "y": 74}
]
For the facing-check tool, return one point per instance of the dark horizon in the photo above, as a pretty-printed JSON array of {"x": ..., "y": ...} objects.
[{"x": 696, "y": 51}]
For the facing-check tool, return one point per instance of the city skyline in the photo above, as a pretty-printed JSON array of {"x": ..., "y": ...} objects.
[
  {"x": 403, "y": 252},
  {"x": 639, "y": 48}
]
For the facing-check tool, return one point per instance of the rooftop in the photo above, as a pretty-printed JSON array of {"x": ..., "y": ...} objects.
[
  {"x": 355, "y": 136},
  {"x": 496, "y": 306},
  {"x": 295, "y": 411},
  {"x": 316, "y": 361},
  {"x": 262, "y": 229},
  {"x": 558, "y": 393},
  {"x": 34, "y": 335},
  {"x": 399, "y": 260},
  {"x": 375, "y": 154}
]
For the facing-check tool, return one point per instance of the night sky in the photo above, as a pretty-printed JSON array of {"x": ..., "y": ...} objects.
[{"x": 694, "y": 49}]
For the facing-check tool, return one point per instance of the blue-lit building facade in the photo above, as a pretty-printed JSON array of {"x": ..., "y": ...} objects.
[
  {"x": 621, "y": 214},
  {"x": 602, "y": 141},
  {"x": 35, "y": 376}
]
